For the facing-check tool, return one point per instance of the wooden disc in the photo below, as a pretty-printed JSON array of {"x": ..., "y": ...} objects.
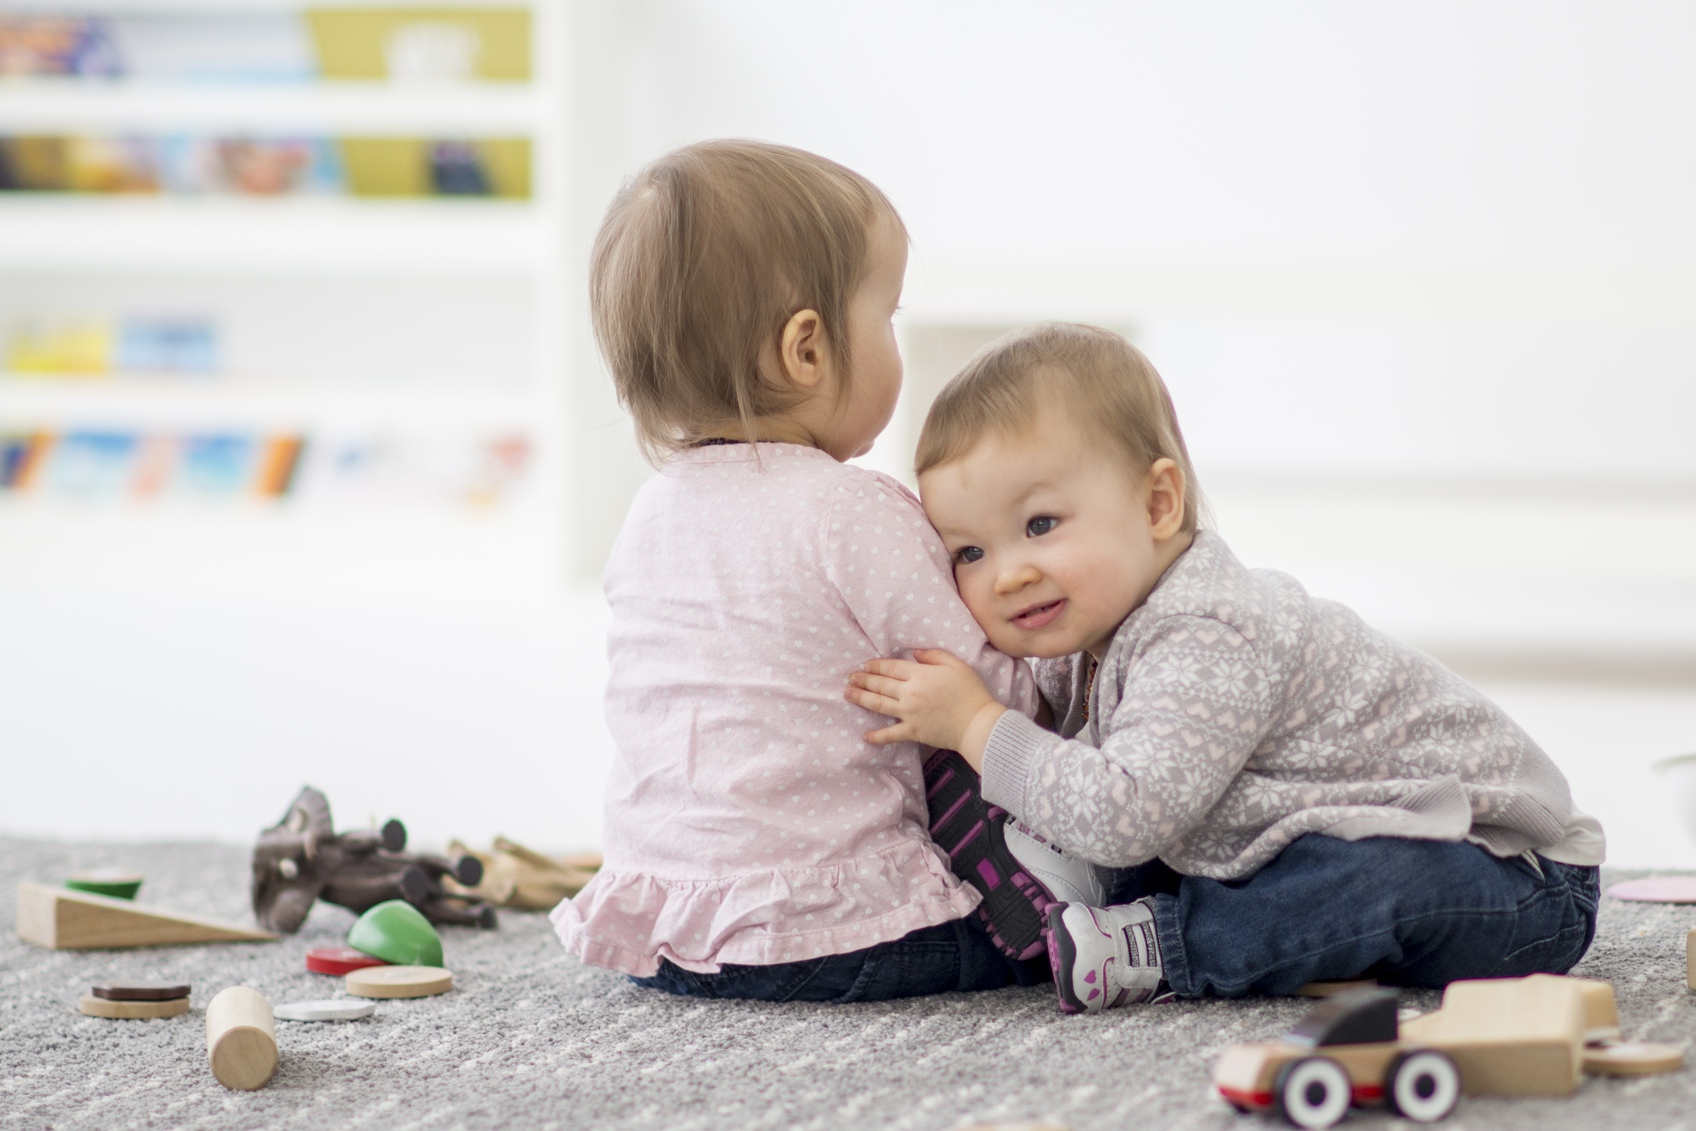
[
  {"x": 339, "y": 960},
  {"x": 399, "y": 981},
  {"x": 131, "y": 1010},
  {"x": 1632, "y": 1058},
  {"x": 141, "y": 991},
  {"x": 329, "y": 1010},
  {"x": 1657, "y": 889}
]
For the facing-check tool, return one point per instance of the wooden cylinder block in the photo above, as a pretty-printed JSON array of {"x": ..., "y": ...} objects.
[{"x": 241, "y": 1038}]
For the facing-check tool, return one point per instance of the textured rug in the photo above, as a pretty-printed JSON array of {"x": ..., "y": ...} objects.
[{"x": 531, "y": 1038}]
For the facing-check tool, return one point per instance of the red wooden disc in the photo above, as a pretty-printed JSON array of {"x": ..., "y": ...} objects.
[{"x": 339, "y": 960}]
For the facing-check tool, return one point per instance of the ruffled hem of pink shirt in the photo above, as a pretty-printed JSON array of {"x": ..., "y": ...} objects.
[{"x": 628, "y": 921}]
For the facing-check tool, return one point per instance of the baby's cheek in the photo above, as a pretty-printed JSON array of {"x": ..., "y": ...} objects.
[
  {"x": 980, "y": 605},
  {"x": 972, "y": 596}
]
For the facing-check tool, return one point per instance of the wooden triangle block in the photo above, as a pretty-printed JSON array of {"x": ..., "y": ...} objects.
[{"x": 77, "y": 920}]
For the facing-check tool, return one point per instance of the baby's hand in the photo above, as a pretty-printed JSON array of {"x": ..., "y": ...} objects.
[{"x": 938, "y": 698}]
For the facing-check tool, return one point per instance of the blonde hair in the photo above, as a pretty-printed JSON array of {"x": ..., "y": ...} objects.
[
  {"x": 1103, "y": 381},
  {"x": 703, "y": 258}
]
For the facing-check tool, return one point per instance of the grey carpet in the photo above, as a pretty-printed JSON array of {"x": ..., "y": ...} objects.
[{"x": 531, "y": 1038}]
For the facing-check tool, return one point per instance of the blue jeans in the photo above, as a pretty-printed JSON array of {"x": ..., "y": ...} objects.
[
  {"x": 931, "y": 960},
  {"x": 1406, "y": 912}
]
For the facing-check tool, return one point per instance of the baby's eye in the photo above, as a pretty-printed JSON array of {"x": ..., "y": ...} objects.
[
  {"x": 967, "y": 554},
  {"x": 1040, "y": 525}
]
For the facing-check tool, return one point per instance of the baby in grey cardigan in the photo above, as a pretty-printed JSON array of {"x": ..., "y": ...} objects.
[{"x": 1288, "y": 795}]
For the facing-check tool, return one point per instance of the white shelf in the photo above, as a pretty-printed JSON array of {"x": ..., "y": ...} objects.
[
  {"x": 196, "y": 234},
  {"x": 133, "y": 402},
  {"x": 246, "y": 545},
  {"x": 265, "y": 7},
  {"x": 314, "y": 108}
]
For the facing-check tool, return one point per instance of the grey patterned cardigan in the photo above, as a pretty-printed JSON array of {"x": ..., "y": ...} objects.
[{"x": 1233, "y": 713}]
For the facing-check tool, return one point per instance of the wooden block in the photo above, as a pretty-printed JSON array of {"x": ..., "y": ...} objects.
[
  {"x": 1632, "y": 1058},
  {"x": 131, "y": 1010},
  {"x": 399, "y": 981},
  {"x": 516, "y": 876},
  {"x": 1509, "y": 1036},
  {"x": 75, "y": 920},
  {"x": 241, "y": 1038},
  {"x": 1601, "y": 1015}
]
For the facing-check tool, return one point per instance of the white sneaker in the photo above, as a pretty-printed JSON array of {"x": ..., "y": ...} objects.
[
  {"x": 1104, "y": 956},
  {"x": 1067, "y": 878}
]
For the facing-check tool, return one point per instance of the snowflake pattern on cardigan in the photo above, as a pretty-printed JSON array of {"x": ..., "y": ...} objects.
[{"x": 1233, "y": 713}]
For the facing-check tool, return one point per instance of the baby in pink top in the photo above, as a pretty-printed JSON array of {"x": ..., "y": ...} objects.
[{"x": 756, "y": 844}]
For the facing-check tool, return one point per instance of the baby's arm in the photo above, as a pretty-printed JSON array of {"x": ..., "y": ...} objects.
[
  {"x": 893, "y": 572},
  {"x": 1193, "y": 710}
]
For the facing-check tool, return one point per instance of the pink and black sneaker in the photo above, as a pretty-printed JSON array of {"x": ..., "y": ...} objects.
[
  {"x": 974, "y": 835},
  {"x": 1105, "y": 957}
]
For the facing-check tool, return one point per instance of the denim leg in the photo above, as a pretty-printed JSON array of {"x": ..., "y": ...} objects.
[
  {"x": 956, "y": 956},
  {"x": 1407, "y": 912},
  {"x": 1127, "y": 885}
]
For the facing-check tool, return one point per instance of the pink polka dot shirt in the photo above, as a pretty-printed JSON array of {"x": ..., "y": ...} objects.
[{"x": 746, "y": 819}]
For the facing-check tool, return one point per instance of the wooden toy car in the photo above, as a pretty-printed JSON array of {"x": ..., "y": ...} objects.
[
  {"x": 1501, "y": 1036},
  {"x": 1346, "y": 1051}
]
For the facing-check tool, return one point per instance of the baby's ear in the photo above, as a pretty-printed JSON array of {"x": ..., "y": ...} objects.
[
  {"x": 1166, "y": 488},
  {"x": 801, "y": 349}
]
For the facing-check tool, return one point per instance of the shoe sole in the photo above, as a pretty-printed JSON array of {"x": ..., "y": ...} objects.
[
  {"x": 1062, "y": 956},
  {"x": 1014, "y": 910}
]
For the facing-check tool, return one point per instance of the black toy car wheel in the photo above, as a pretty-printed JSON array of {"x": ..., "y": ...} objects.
[
  {"x": 1313, "y": 1092},
  {"x": 1422, "y": 1085}
]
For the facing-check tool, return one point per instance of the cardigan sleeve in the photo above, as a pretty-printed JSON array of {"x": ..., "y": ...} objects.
[
  {"x": 1196, "y": 703},
  {"x": 892, "y": 570}
]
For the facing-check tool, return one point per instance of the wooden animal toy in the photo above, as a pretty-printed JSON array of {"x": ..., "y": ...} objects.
[{"x": 302, "y": 859}]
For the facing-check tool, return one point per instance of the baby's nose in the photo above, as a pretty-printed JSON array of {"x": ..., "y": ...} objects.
[{"x": 1014, "y": 579}]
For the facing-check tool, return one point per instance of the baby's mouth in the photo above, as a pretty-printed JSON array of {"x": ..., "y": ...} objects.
[{"x": 1040, "y": 616}]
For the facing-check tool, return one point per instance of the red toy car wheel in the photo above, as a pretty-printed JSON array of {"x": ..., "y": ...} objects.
[
  {"x": 1313, "y": 1092},
  {"x": 1422, "y": 1085}
]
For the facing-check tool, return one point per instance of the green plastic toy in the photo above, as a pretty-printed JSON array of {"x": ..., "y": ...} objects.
[
  {"x": 109, "y": 882},
  {"x": 397, "y": 932}
]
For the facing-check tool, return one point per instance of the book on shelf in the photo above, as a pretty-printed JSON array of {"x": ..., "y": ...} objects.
[
  {"x": 267, "y": 166},
  {"x": 422, "y": 44},
  {"x": 379, "y": 471},
  {"x": 415, "y": 44},
  {"x": 94, "y": 347},
  {"x": 52, "y": 44}
]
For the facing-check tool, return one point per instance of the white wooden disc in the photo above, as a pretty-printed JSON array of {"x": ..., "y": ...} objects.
[
  {"x": 1632, "y": 1058},
  {"x": 399, "y": 981},
  {"x": 330, "y": 1009}
]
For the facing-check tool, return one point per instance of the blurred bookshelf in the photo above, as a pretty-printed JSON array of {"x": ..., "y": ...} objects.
[{"x": 282, "y": 286}]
